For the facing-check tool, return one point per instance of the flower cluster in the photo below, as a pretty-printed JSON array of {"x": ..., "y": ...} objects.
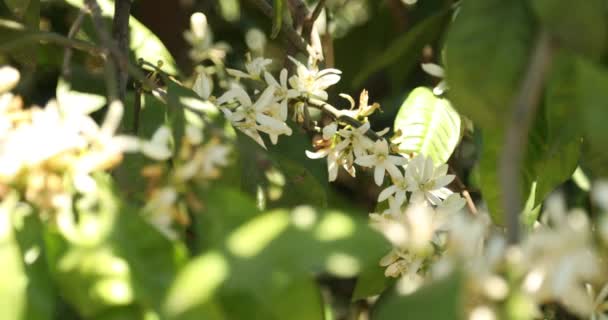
[
  {"x": 43, "y": 148},
  {"x": 267, "y": 111},
  {"x": 40, "y": 147}
]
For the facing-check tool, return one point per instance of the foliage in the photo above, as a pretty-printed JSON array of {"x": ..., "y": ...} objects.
[{"x": 199, "y": 193}]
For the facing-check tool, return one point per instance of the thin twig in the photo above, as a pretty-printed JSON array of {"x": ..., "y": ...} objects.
[
  {"x": 292, "y": 36},
  {"x": 67, "y": 56},
  {"x": 58, "y": 39},
  {"x": 299, "y": 11},
  {"x": 307, "y": 26},
  {"x": 523, "y": 112},
  {"x": 464, "y": 191},
  {"x": 108, "y": 44},
  {"x": 120, "y": 33}
]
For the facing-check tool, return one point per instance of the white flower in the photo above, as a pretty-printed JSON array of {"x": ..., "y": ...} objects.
[
  {"x": 9, "y": 77},
  {"x": 560, "y": 260},
  {"x": 600, "y": 306},
  {"x": 334, "y": 160},
  {"x": 426, "y": 179},
  {"x": 382, "y": 161},
  {"x": 158, "y": 147},
  {"x": 250, "y": 117},
  {"x": 158, "y": 211},
  {"x": 205, "y": 163},
  {"x": 355, "y": 140},
  {"x": 282, "y": 92},
  {"x": 312, "y": 82},
  {"x": 256, "y": 40},
  {"x": 200, "y": 38},
  {"x": 255, "y": 68},
  {"x": 452, "y": 204},
  {"x": 203, "y": 86},
  {"x": 398, "y": 190}
]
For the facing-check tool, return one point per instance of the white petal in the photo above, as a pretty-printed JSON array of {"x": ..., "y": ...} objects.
[
  {"x": 433, "y": 69},
  {"x": 379, "y": 175},
  {"x": 386, "y": 193},
  {"x": 9, "y": 77}
]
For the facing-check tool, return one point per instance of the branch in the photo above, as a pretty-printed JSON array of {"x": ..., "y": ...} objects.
[
  {"x": 120, "y": 33},
  {"x": 523, "y": 112},
  {"x": 307, "y": 26},
  {"x": 465, "y": 192},
  {"x": 292, "y": 36},
  {"x": 340, "y": 116},
  {"x": 299, "y": 11},
  {"x": 67, "y": 56}
]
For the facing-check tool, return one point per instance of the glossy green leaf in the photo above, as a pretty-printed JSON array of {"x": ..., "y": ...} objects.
[
  {"x": 581, "y": 28},
  {"x": 428, "y": 125},
  {"x": 440, "y": 300},
  {"x": 277, "y": 19},
  {"x": 143, "y": 42},
  {"x": 487, "y": 51}
]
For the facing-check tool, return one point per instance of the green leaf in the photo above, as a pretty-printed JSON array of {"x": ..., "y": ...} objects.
[
  {"x": 25, "y": 288},
  {"x": 429, "y": 125},
  {"x": 371, "y": 281},
  {"x": 582, "y": 30},
  {"x": 282, "y": 176},
  {"x": 143, "y": 42},
  {"x": 404, "y": 50},
  {"x": 280, "y": 248},
  {"x": 487, "y": 50},
  {"x": 111, "y": 257},
  {"x": 440, "y": 300},
  {"x": 224, "y": 209},
  {"x": 277, "y": 19},
  {"x": 153, "y": 260}
]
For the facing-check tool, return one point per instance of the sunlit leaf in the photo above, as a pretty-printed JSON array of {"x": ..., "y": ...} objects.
[{"x": 428, "y": 125}]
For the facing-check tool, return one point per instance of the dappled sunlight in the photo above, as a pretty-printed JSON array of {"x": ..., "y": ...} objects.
[
  {"x": 197, "y": 283},
  {"x": 342, "y": 264},
  {"x": 252, "y": 238},
  {"x": 334, "y": 226}
]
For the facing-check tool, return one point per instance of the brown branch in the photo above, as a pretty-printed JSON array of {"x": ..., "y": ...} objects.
[
  {"x": 292, "y": 36},
  {"x": 307, "y": 26},
  {"x": 523, "y": 111},
  {"x": 120, "y": 33},
  {"x": 462, "y": 188}
]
